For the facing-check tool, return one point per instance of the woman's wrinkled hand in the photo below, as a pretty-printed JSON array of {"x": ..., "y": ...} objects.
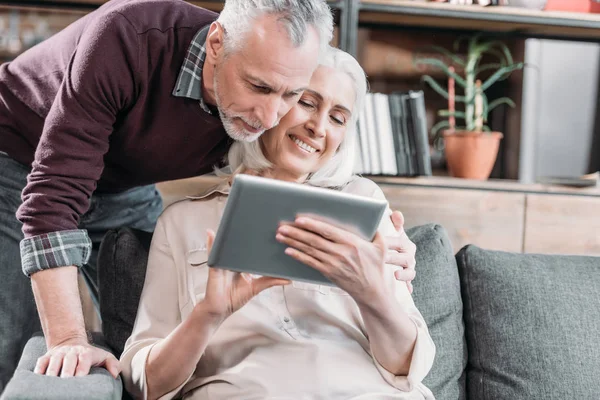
[
  {"x": 228, "y": 291},
  {"x": 352, "y": 263}
]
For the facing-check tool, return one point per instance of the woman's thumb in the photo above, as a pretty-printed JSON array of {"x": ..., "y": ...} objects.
[{"x": 210, "y": 239}]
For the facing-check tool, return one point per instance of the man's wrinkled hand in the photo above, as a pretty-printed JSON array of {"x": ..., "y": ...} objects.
[
  {"x": 75, "y": 358},
  {"x": 401, "y": 252}
]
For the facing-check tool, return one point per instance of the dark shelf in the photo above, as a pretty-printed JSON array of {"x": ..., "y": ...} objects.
[{"x": 511, "y": 20}]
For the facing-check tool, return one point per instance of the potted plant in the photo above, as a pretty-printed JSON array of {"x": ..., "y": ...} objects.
[{"x": 471, "y": 148}]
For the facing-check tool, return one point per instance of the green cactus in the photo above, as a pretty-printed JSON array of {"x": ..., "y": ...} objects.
[{"x": 476, "y": 49}]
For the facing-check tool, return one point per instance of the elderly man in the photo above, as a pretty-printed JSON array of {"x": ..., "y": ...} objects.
[{"x": 136, "y": 92}]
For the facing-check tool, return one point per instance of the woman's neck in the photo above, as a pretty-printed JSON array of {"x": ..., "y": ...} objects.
[{"x": 283, "y": 176}]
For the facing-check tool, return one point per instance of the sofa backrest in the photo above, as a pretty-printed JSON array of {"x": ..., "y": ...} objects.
[
  {"x": 437, "y": 296},
  {"x": 532, "y": 325}
]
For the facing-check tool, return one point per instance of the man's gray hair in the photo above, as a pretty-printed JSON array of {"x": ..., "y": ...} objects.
[
  {"x": 338, "y": 171},
  {"x": 295, "y": 15}
]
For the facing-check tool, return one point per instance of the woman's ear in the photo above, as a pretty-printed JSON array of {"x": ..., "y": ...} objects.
[{"x": 215, "y": 45}]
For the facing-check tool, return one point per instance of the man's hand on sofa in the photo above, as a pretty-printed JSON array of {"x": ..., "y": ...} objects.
[
  {"x": 75, "y": 358},
  {"x": 401, "y": 252}
]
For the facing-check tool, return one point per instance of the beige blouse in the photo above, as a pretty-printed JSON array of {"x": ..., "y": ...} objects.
[{"x": 301, "y": 341}]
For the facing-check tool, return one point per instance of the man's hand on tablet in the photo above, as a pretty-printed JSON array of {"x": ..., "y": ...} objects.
[{"x": 401, "y": 252}]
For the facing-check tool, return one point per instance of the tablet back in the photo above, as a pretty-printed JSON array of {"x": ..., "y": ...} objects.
[{"x": 245, "y": 239}]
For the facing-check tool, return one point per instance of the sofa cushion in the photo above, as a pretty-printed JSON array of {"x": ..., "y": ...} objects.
[
  {"x": 122, "y": 260},
  {"x": 437, "y": 296},
  {"x": 532, "y": 324}
]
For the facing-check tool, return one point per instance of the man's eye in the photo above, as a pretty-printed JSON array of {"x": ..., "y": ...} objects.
[{"x": 262, "y": 89}]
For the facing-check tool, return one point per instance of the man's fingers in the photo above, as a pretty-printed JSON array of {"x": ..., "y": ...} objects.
[
  {"x": 113, "y": 366},
  {"x": 398, "y": 220},
  {"x": 399, "y": 259},
  {"x": 407, "y": 274},
  {"x": 42, "y": 364},
  {"x": 56, "y": 360},
  {"x": 401, "y": 243},
  {"x": 84, "y": 363},
  {"x": 69, "y": 364}
]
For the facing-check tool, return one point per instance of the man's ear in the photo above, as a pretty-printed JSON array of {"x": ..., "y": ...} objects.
[{"x": 215, "y": 42}]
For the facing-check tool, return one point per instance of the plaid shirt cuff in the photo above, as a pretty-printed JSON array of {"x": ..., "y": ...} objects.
[{"x": 55, "y": 249}]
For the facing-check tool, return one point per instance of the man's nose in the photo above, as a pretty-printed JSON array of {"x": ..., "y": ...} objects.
[{"x": 270, "y": 112}]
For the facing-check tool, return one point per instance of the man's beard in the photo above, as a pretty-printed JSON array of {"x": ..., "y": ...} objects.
[{"x": 228, "y": 120}]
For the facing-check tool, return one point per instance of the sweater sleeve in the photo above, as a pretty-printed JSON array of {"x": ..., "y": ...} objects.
[{"x": 99, "y": 84}]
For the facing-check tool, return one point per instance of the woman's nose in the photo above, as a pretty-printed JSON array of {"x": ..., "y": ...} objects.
[{"x": 316, "y": 126}]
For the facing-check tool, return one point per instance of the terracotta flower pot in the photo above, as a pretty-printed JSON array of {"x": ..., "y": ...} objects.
[{"x": 471, "y": 155}]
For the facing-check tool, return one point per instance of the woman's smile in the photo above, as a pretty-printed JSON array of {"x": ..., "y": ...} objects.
[{"x": 302, "y": 145}]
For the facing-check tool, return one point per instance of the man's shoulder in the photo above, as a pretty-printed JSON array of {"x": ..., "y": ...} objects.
[{"x": 161, "y": 15}]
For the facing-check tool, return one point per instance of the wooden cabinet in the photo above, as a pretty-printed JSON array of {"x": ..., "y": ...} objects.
[{"x": 502, "y": 215}]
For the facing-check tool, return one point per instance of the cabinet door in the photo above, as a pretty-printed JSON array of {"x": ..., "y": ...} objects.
[
  {"x": 489, "y": 219},
  {"x": 562, "y": 224}
]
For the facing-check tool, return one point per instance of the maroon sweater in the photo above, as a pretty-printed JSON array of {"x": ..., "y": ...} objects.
[{"x": 91, "y": 109}]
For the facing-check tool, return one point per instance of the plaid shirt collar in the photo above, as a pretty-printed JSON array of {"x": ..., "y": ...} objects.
[{"x": 189, "y": 82}]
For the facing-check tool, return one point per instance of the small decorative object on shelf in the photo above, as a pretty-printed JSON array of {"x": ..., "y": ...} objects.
[
  {"x": 590, "y": 6},
  {"x": 471, "y": 149}
]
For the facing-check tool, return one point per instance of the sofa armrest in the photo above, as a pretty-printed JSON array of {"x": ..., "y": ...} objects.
[{"x": 98, "y": 385}]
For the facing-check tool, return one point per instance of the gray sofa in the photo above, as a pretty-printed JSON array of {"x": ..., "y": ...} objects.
[{"x": 506, "y": 326}]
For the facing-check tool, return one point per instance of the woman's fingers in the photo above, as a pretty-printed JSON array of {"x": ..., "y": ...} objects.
[
  {"x": 307, "y": 240},
  {"x": 210, "y": 239},
  {"x": 323, "y": 229},
  {"x": 300, "y": 246}
]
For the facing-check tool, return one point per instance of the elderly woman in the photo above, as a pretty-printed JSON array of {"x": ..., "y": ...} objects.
[{"x": 207, "y": 333}]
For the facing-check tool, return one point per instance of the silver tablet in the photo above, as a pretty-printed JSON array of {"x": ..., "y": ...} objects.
[{"x": 245, "y": 239}]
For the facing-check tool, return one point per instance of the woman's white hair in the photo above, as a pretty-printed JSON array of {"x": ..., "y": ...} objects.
[
  {"x": 338, "y": 171},
  {"x": 296, "y": 16}
]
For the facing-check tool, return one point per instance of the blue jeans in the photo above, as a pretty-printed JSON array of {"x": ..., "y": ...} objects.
[{"x": 136, "y": 208}]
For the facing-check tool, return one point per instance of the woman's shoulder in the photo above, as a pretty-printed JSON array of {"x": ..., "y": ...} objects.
[
  {"x": 190, "y": 217},
  {"x": 361, "y": 186}
]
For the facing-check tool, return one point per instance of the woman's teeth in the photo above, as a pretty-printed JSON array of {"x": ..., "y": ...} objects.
[{"x": 304, "y": 145}]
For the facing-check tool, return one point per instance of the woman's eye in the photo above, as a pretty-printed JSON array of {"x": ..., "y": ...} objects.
[
  {"x": 305, "y": 104},
  {"x": 338, "y": 120}
]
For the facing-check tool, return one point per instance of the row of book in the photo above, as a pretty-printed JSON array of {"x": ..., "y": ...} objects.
[{"x": 392, "y": 135}]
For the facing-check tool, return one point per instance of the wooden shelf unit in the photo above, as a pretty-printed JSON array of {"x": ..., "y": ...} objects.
[
  {"x": 527, "y": 22},
  {"x": 498, "y": 215}
]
